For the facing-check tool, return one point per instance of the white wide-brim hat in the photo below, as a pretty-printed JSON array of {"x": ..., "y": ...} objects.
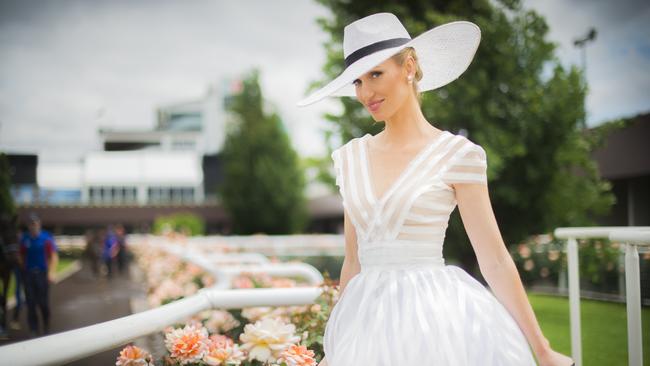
[{"x": 443, "y": 52}]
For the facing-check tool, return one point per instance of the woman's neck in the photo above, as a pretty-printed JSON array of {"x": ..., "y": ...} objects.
[{"x": 407, "y": 127}]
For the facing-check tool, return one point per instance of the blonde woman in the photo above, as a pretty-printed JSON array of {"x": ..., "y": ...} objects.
[{"x": 400, "y": 304}]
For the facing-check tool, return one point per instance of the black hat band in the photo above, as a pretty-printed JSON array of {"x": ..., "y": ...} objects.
[{"x": 374, "y": 47}]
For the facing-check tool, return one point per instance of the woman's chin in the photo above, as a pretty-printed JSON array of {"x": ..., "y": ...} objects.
[{"x": 377, "y": 116}]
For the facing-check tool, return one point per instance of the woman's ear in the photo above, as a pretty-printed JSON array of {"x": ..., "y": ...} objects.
[
  {"x": 409, "y": 67},
  {"x": 412, "y": 65}
]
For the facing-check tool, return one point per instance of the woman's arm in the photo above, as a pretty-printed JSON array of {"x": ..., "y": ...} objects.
[
  {"x": 351, "y": 265},
  {"x": 495, "y": 261}
]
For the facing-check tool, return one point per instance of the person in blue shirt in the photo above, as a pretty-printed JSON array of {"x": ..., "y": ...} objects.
[
  {"x": 18, "y": 277},
  {"x": 122, "y": 255},
  {"x": 38, "y": 261},
  {"x": 111, "y": 248}
]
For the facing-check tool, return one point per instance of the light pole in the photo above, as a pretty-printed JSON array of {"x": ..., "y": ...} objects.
[{"x": 581, "y": 43}]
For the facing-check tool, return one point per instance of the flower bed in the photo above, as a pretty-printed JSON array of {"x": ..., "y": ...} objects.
[
  {"x": 541, "y": 259},
  {"x": 272, "y": 336}
]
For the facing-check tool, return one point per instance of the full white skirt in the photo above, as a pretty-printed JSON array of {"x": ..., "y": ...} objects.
[{"x": 423, "y": 316}]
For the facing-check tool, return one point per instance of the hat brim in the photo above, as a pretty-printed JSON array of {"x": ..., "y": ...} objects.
[{"x": 444, "y": 53}]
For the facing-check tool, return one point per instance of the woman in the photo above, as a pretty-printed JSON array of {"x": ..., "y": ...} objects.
[{"x": 399, "y": 303}]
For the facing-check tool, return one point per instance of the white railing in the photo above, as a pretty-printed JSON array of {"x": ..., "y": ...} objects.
[
  {"x": 79, "y": 343},
  {"x": 76, "y": 344},
  {"x": 633, "y": 239},
  {"x": 290, "y": 245},
  {"x": 224, "y": 273},
  {"x": 250, "y": 258},
  {"x": 284, "y": 245},
  {"x": 632, "y": 279}
]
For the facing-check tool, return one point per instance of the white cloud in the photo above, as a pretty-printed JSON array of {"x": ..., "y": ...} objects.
[
  {"x": 63, "y": 62},
  {"x": 619, "y": 84}
]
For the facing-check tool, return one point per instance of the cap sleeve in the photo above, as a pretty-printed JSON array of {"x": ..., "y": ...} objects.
[
  {"x": 338, "y": 168},
  {"x": 469, "y": 165}
]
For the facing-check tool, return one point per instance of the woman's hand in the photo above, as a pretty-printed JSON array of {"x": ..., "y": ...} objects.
[{"x": 553, "y": 358}]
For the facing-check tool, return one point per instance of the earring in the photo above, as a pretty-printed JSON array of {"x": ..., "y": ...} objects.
[{"x": 410, "y": 78}]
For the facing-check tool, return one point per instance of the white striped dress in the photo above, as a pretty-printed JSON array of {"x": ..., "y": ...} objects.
[{"x": 406, "y": 307}]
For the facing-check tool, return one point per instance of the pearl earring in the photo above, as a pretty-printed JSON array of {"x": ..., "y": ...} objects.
[{"x": 410, "y": 78}]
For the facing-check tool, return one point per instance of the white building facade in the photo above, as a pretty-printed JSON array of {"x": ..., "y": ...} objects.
[{"x": 163, "y": 166}]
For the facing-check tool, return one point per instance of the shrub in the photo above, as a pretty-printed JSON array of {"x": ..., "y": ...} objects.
[{"x": 184, "y": 222}]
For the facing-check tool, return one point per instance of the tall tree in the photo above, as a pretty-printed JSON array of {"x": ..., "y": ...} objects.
[
  {"x": 263, "y": 189},
  {"x": 7, "y": 207},
  {"x": 531, "y": 126}
]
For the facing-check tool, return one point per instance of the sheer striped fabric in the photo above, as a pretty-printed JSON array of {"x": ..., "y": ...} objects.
[
  {"x": 406, "y": 306},
  {"x": 469, "y": 166},
  {"x": 417, "y": 205}
]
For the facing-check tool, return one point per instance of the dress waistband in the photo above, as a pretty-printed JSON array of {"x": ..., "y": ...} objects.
[{"x": 399, "y": 254}]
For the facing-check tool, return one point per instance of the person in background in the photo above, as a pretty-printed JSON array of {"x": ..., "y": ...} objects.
[
  {"x": 92, "y": 251},
  {"x": 111, "y": 248},
  {"x": 38, "y": 260},
  {"x": 122, "y": 255},
  {"x": 18, "y": 297},
  {"x": 10, "y": 239}
]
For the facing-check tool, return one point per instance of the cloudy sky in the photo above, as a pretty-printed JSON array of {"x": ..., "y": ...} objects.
[{"x": 71, "y": 66}]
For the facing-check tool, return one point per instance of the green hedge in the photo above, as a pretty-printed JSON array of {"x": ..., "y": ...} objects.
[{"x": 183, "y": 222}]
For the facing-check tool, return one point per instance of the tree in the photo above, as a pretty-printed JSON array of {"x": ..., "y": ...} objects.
[
  {"x": 539, "y": 170},
  {"x": 7, "y": 207},
  {"x": 263, "y": 183}
]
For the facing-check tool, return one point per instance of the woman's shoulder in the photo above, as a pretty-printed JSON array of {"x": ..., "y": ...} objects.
[
  {"x": 466, "y": 142},
  {"x": 468, "y": 150},
  {"x": 340, "y": 154},
  {"x": 348, "y": 145}
]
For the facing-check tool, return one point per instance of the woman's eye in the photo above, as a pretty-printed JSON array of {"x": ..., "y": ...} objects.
[{"x": 373, "y": 74}]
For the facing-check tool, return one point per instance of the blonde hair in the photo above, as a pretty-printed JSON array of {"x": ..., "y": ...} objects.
[{"x": 400, "y": 58}]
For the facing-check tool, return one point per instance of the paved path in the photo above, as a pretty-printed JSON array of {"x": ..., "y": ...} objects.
[{"x": 83, "y": 299}]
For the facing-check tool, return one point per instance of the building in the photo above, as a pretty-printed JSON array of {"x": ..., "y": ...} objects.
[
  {"x": 624, "y": 160},
  {"x": 135, "y": 176}
]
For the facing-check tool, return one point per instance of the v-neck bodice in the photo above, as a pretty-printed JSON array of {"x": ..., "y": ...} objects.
[
  {"x": 417, "y": 205},
  {"x": 365, "y": 161}
]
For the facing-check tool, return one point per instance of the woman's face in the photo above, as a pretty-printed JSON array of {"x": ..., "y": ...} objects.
[{"x": 384, "y": 89}]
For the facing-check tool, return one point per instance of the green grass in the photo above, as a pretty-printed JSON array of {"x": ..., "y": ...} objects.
[
  {"x": 604, "y": 328},
  {"x": 62, "y": 265}
]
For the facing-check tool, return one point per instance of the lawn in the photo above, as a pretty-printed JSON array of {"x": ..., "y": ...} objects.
[{"x": 604, "y": 328}]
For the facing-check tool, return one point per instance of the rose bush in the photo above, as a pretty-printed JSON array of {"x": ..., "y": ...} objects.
[
  {"x": 542, "y": 258},
  {"x": 271, "y": 336}
]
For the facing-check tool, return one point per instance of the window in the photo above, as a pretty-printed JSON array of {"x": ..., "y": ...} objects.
[
  {"x": 171, "y": 195},
  {"x": 112, "y": 195}
]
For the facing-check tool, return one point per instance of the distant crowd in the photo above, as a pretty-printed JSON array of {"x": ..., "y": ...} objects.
[
  {"x": 32, "y": 257},
  {"x": 107, "y": 248}
]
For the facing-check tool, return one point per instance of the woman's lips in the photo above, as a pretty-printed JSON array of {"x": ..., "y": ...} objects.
[{"x": 375, "y": 106}]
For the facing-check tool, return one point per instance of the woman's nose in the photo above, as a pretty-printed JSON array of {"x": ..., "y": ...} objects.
[{"x": 365, "y": 93}]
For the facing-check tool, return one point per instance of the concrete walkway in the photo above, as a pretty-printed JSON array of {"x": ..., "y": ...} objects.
[{"x": 85, "y": 299}]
